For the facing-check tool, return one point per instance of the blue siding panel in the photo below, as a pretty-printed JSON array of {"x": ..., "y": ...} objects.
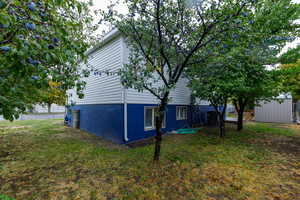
[
  {"x": 200, "y": 114},
  {"x": 136, "y": 129},
  {"x": 103, "y": 120},
  {"x": 107, "y": 121},
  {"x": 203, "y": 113}
]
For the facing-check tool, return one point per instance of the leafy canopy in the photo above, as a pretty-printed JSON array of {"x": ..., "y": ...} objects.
[
  {"x": 164, "y": 36},
  {"x": 54, "y": 94},
  {"x": 291, "y": 56},
  {"x": 291, "y": 78},
  {"x": 40, "y": 40},
  {"x": 238, "y": 63}
]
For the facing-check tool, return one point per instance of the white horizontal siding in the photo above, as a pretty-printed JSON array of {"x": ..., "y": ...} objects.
[
  {"x": 107, "y": 89},
  {"x": 202, "y": 102},
  {"x": 180, "y": 95},
  {"x": 274, "y": 112},
  {"x": 135, "y": 97},
  {"x": 103, "y": 89}
]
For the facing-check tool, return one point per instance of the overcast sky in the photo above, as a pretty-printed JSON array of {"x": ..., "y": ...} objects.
[{"x": 102, "y": 4}]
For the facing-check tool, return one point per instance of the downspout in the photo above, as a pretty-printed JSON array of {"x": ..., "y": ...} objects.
[
  {"x": 124, "y": 93},
  {"x": 125, "y": 115}
]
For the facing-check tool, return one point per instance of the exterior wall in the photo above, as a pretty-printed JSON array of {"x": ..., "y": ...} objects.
[
  {"x": 180, "y": 95},
  {"x": 107, "y": 89},
  {"x": 199, "y": 114},
  {"x": 275, "y": 112},
  {"x": 103, "y": 89},
  {"x": 107, "y": 121},
  {"x": 102, "y": 120},
  {"x": 136, "y": 118},
  {"x": 201, "y": 102}
]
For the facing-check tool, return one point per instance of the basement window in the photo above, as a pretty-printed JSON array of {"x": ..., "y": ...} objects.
[
  {"x": 181, "y": 113},
  {"x": 149, "y": 117}
]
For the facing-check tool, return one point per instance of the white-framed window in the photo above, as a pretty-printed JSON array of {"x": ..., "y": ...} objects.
[
  {"x": 149, "y": 118},
  {"x": 181, "y": 113}
]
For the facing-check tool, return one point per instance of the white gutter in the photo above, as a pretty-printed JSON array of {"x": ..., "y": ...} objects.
[{"x": 124, "y": 93}]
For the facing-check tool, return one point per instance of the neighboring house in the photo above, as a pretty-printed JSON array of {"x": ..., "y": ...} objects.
[
  {"x": 280, "y": 110},
  {"x": 119, "y": 114},
  {"x": 41, "y": 112},
  {"x": 44, "y": 109}
]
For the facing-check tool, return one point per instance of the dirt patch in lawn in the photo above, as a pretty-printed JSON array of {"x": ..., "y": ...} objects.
[
  {"x": 141, "y": 143},
  {"x": 15, "y": 127},
  {"x": 151, "y": 140},
  {"x": 286, "y": 145},
  {"x": 4, "y": 154},
  {"x": 294, "y": 127},
  {"x": 286, "y": 151}
]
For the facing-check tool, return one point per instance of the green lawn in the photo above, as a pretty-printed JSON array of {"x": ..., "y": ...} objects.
[{"x": 42, "y": 160}]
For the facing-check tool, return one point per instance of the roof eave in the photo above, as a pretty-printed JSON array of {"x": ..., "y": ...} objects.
[{"x": 107, "y": 38}]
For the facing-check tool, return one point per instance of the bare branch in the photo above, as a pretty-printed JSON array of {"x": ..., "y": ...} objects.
[
  {"x": 152, "y": 91},
  {"x": 160, "y": 39}
]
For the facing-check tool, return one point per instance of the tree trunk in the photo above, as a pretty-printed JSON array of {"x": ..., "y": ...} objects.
[
  {"x": 158, "y": 125},
  {"x": 240, "y": 122},
  {"x": 221, "y": 126},
  {"x": 158, "y": 139},
  {"x": 240, "y": 105},
  {"x": 49, "y": 107},
  {"x": 221, "y": 115}
]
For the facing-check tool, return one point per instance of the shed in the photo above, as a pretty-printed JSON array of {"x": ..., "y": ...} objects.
[{"x": 279, "y": 110}]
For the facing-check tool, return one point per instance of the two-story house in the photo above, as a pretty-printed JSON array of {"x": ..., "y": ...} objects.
[{"x": 119, "y": 114}]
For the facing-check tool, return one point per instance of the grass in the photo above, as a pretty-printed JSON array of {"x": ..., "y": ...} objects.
[
  {"x": 232, "y": 115},
  {"x": 45, "y": 160}
]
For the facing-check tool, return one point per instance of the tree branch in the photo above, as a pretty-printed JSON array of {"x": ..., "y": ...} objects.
[
  {"x": 160, "y": 39},
  {"x": 151, "y": 91}
]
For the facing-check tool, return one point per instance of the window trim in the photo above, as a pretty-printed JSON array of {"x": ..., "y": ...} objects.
[
  {"x": 178, "y": 115},
  {"x": 153, "y": 118}
]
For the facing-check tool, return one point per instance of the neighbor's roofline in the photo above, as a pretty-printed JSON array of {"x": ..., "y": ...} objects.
[{"x": 107, "y": 38}]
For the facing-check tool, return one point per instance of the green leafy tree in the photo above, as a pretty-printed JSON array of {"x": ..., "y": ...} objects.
[
  {"x": 256, "y": 84},
  {"x": 290, "y": 68},
  {"x": 220, "y": 81},
  {"x": 164, "y": 36},
  {"x": 54, "y": 94},
  {"x": 245, "y": 53},
  {"x": 291, "y": 79},
  {"x": 40, "y": 40},
  {"x": 291, "y": 56},
  {"x": 213, "y": 82}
]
